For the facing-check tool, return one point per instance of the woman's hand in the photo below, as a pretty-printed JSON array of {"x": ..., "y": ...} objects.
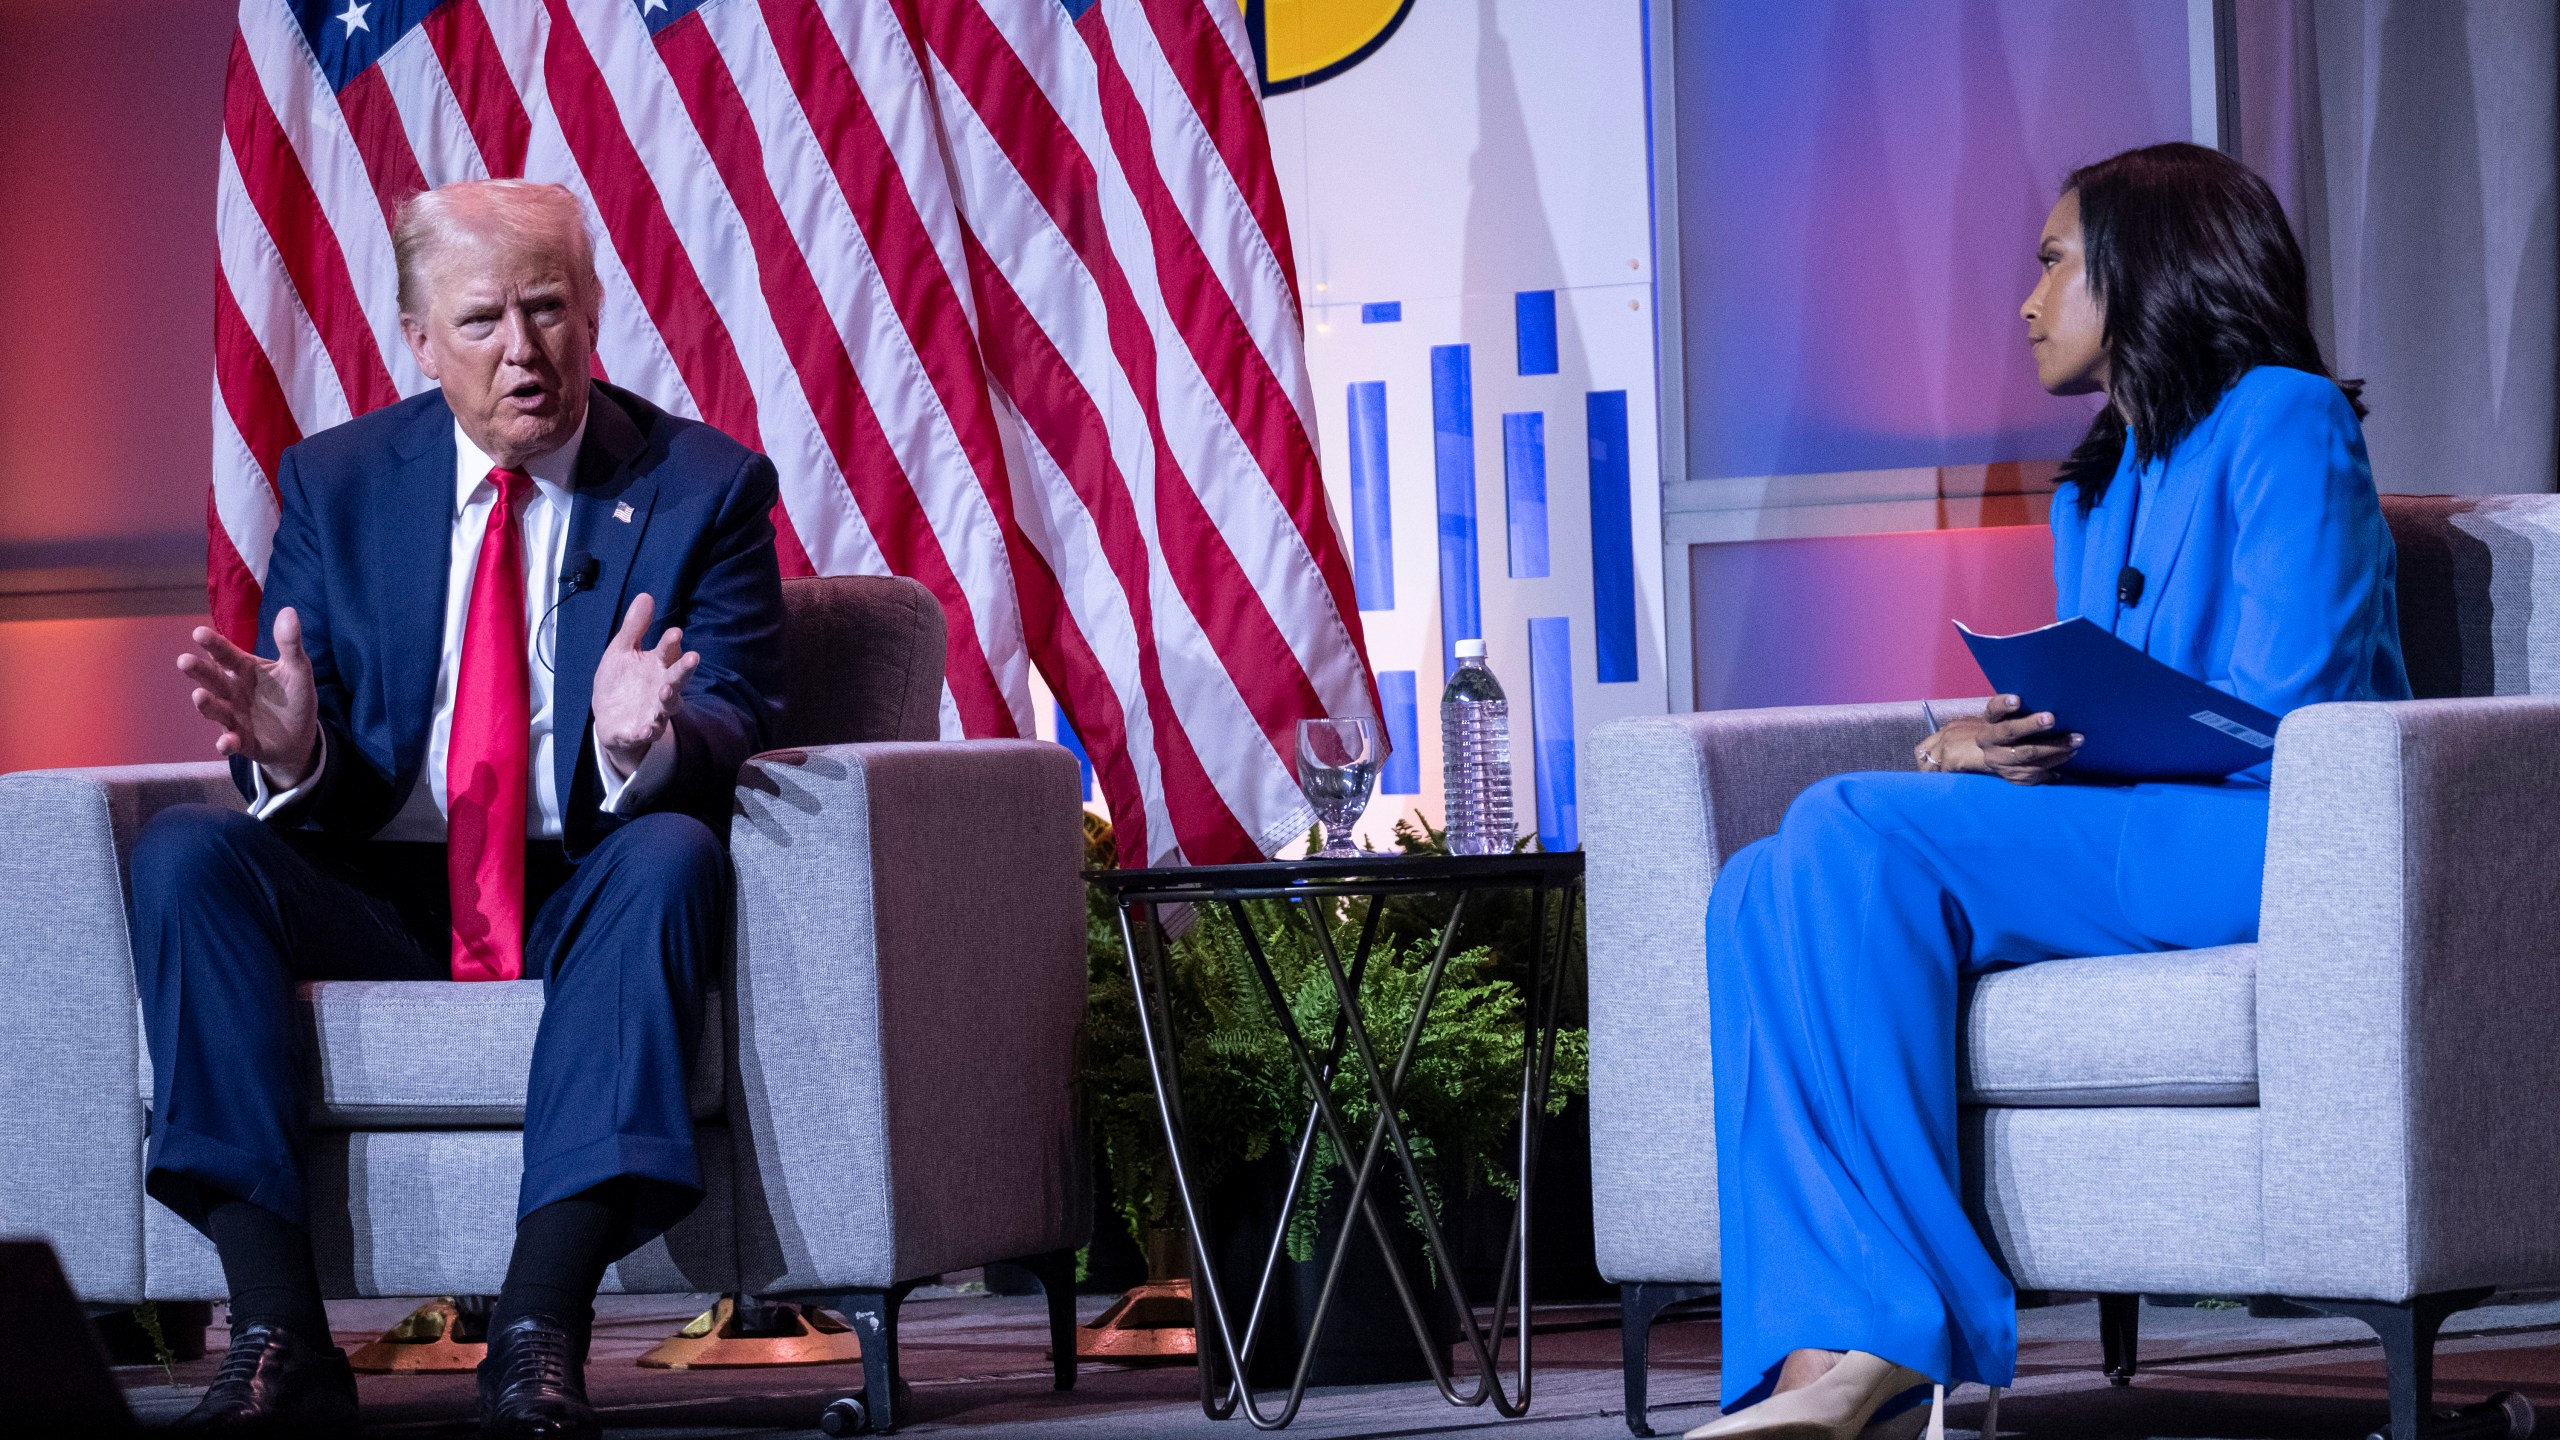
[{"x": 2017, "y": 748}]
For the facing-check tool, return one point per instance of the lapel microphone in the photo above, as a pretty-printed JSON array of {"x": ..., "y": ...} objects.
[
  {"x": 2128, "y": 586},
  {"x": 578, "y": 573}
]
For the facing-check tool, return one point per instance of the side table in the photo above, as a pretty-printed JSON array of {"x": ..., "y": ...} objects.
[{"x": 1308, "y": 887}]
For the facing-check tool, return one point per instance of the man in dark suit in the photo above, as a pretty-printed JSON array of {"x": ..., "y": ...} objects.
[{"x": 459, "y": 765}]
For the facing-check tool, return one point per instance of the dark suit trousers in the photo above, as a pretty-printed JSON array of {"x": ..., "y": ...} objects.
[{"x": 230, "y": 912}]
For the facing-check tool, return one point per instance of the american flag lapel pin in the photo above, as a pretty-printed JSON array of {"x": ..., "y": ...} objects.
[{"x": 622, "y": 511}]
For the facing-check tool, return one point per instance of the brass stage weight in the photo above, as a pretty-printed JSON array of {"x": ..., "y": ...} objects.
[
  {"x": 1151, "y": 1322},
  {"x": 446, "y": 1335},
  {"x": 742, "y": 1332}
]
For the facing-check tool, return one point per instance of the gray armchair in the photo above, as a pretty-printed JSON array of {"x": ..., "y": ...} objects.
[
  {"x": 2354, "y": 1112},
  {"x": 865, "y": 1117}
]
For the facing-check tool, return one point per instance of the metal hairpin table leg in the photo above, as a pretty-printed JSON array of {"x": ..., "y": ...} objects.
[
  {"x": 1220, "y": 1342},
  {"x": 1305, "y": 1151},
  {"x": 1240, "y": 1394}
]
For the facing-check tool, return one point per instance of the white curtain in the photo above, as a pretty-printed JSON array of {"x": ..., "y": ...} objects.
[{"x": 2416, "y": 144}]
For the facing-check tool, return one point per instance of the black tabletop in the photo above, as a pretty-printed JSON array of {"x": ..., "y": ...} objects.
[{"x": 1367, "y": 875}]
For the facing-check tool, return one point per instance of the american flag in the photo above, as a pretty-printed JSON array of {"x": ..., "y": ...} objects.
[{"x": 1004, "y": 288}]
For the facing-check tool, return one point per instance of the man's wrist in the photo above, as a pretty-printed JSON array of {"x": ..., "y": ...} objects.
[
  {"x": 625, "y": 759},
  {"x": 310, "y": 764}
]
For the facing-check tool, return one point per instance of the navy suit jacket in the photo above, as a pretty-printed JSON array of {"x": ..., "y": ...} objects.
[{"x": 361, "y": 554}]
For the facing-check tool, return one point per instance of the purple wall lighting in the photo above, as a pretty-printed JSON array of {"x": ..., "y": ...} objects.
[
  {"x": 1862, "y": 183},
  {"x": 1860, "y": 618}
]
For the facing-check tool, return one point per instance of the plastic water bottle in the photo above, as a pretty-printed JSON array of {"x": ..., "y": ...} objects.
[{"x": 1475, "y": 750}]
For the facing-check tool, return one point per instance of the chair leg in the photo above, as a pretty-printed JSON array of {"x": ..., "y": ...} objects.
[
  {"x": 2407, "y": 1330},
  {"x": 1056, "y": 1272},
  {"x": 883, "y": 1401},
  {"x": 1639, "y": 1305},
  {"x": 2120, "y": 1335}
]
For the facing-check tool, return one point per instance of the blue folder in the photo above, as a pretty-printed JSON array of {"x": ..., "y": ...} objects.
[{"x": 2139, "y": 719}]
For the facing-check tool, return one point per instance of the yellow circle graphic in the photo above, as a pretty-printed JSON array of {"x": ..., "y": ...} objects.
[{"x": 1304, "y": 42}]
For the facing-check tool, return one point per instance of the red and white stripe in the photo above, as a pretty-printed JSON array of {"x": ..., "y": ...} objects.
[{"x": 1008, "y": 298}]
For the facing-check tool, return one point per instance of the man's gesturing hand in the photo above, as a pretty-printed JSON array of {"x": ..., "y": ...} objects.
[
  {"x": 266, "y": 708},
  {"x": 636, "y": 689}
]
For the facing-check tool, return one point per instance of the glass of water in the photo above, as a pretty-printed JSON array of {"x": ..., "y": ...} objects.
[{"x": 1337, "y": 763}]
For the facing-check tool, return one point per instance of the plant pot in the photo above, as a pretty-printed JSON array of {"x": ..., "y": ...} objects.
[
  {"x": 1367, "y": 1339},
  {"x": 1561, "y": 1258},
  {"x": 1113, "y": 1262}
]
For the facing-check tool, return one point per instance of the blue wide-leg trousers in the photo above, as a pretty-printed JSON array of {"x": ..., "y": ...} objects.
[
  {"x": 1834, "y": 951},
  {"x": 230, "y": 913}
]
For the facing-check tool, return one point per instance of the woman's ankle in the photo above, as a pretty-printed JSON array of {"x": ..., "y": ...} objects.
[{"x": 1803, "y": 1367}]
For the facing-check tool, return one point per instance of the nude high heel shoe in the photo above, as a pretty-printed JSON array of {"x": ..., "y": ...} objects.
[
  {"x": 1835, "y": 1407},
  {"x": 1933, "y": 1418}
]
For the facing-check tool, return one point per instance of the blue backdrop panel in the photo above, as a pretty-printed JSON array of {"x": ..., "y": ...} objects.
[
  {"x": 1613, "y": 544},
  {"x": 1534, "y": 317},
  {"x": 1524, "y": 481},
  {"x": 1373, "y": 541},
  {"x": 1551, "y": 731},
  {"x": 1402, "y": 774},
  {"x": 1067, "y": 736},
  {"x": 1453, "y": 454}
]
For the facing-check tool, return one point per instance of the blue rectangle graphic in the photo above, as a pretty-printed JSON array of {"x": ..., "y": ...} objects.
[
  {"x": 1382, "y": 312},
  {"x": 1534, "y": 314},
  {"x": 1067, "y": 737},
  {"x": 1613, "y": 539},
  {"x": 1402, "y": 773},
  {"x": 1524, "y": 487},
  {"x": 1453, "y": 461},
  {"x": 1551, "y": 732},
  {"x": 1373, "y": 532}
]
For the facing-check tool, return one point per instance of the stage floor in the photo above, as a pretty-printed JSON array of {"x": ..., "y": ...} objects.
[{"x": 977, "y": 1365}]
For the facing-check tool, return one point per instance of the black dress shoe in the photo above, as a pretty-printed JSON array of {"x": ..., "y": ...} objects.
[
  {"x": 533, "y": 1385},
  {"x": 275, "y": 1383}
]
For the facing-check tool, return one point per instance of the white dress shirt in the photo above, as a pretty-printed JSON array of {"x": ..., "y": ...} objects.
[{"x": 546, "y": 541}]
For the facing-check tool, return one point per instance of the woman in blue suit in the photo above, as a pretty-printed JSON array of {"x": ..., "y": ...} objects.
[{"x": 2221, "y": 516}]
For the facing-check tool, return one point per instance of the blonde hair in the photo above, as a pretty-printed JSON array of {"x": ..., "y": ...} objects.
[{"x": 520, "y": 212}]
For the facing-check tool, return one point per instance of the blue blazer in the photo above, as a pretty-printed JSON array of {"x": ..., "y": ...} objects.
[
  {"x": 2267, "y": 573},
  {"x": 361, "y": 555}
]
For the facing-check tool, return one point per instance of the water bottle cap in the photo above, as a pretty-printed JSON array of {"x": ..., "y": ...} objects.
[{"x": 1470, "y": 649}]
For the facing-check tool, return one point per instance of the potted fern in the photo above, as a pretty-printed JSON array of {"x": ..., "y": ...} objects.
[{"x": 1245, "y": 1103}]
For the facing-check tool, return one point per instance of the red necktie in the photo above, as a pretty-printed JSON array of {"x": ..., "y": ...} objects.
[{"x": 489, "y": 751}]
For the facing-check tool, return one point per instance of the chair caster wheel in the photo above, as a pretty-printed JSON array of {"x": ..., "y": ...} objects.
[
  {"x": 2503, "y": 1416},
  {"x": 2120, "y": 1381},
  {"x": 846, "y": 1417}
]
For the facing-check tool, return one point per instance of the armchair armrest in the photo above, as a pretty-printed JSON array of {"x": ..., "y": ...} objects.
[
  {"x": 1664, "y": 801},
  {"x": 909, "y": 987},
  {"x": 2408, "y": 980},
  {"x": 71, "y": 1030}
]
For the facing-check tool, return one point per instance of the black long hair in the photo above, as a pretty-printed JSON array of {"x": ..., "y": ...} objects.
[{"x": 2189, "y": 252}]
